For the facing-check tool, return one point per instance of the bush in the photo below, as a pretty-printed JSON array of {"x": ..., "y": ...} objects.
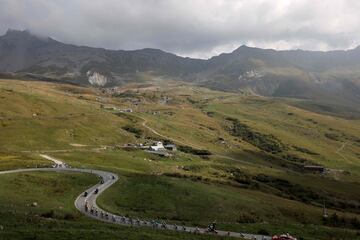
[
  {"x": 167, "y": 141},
  {"x": 188, "y": 149},
  {"x": 50, "y": 214},
  {"x": 265, "y": 142},
  {"x": 248, "y": 218},
  {"x": 289, "y": 190},
  {"x": 241, "y": 177},
  {"x": 355, "y": 223},
  {"x": 336, "y": 221},
  {"x": 296, "y": 159},
  {"x": 332, "y": 136},
  {"x": 69, "y": 217},
  {"x": 263, "y": 232},
  {"x": 210, "y": 114},
  {"x": 305, "y": 150},
  {"x": 131, "y": 129}
]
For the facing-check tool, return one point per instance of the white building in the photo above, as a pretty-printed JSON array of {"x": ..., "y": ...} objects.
[{"x": 158, "y": 146}]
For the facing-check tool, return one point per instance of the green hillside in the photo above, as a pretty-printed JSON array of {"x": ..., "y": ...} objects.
[
  {"x": 54, "y": 216},
  {"x": 240, "y": 160}
]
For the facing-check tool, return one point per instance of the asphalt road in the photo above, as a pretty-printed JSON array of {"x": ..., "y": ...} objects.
[{"x": 93, "y": 211}]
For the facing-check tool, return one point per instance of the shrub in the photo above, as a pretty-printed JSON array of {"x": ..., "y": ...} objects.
[
  {"x": 132, "y": 129},
  {"x": 241, "y": 177},
  {"x": 210, "y": 114},
  {"x": 69, "y": 217},
  {"x": 336, "y": 221},
  {"x": 265, "y": 142},
  {"x": 296, "y": 159},
  {"x": 305, "y": 150},
  {"x": 50, "y": 214},
  {"x": 188, "y": 149},
  {"x": 288, "y": 189},
  {"x": 332, "y": 136},
  {"x": 247, "y": 218},
  {"x": 263, "y": 232}
]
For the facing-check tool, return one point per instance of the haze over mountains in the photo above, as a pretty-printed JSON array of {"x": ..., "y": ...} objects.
[{"x": 324, "y": 76}]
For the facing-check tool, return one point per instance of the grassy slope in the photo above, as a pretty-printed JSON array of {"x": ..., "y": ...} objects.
[
  {"x": 185, "y": 200},
  {"x": 302, "y": 128},
  {"x": 62, "y": 118},
  {"x": 56, "y": 192},
  {"x": 142, "y": 193}
]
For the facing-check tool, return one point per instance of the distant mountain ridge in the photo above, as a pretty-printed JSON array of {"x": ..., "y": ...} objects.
[
  {"x": 20, "y": 51},
  {"x": 333, "y": 75}
]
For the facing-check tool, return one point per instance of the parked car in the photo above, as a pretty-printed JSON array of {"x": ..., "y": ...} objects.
[
  {"x": 96, "y": 191},
  {"x": 85, "y": 194}
]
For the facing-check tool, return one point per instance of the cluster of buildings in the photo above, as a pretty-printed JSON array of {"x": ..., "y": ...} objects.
[
  {"x": 156, "y": 148},
  {"x": 164, "y": 100},
  {"x": 129, "y": 110},
  {"x": 159, "y": 146}
]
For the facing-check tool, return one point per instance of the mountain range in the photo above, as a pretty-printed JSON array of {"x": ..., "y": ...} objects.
[{"x": 332, "y": 76}]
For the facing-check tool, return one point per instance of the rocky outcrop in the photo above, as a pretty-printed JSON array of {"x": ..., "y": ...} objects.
[
  {"x": 252, "y": 74},
  {"x": 96, "y": 79}
]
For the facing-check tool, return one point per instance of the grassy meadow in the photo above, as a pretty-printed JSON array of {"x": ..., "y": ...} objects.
[
  {"x": 55, "y": 216},
  {"x": 252, "y": 180}
]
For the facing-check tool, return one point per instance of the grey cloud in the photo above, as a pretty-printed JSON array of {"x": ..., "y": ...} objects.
[{"x": 198, "y": 28}]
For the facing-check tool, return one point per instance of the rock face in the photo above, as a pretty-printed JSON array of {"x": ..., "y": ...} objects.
[
  {"x": 252, "y": 74},
  {"x": 96, "y": 79}
]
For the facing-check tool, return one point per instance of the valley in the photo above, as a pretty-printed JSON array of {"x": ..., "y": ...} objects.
[{"x": 241, "y": 160}]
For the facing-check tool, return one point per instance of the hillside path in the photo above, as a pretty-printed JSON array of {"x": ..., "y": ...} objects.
[
  {"x": 340, "y": 149},
  {"x": 187, "y": 144}
]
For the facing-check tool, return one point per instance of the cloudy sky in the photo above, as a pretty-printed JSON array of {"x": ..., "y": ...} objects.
[{"x": 196, "y": 28}]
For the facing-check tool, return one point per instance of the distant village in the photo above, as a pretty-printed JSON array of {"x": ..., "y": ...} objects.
[
  {"x": 129, "y": 110},
  {"x": 157, "y": 148}
]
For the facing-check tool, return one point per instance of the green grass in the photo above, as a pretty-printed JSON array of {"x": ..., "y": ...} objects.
[
  {"x": 195, "y": 203},
  {"x": 56, "y": 192},
  {"x": 13, "y": 160},
  {"x": 166, "y": 198},
  {"x": 302, "y": 129},
  {"x": 184, "y": 188},
  {"x": 49, "y": 190},
  {"x": 59, "y": 121},
  {"x": 141, "y": 193}
]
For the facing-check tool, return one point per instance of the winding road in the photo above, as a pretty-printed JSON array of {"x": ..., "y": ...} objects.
[{"x": 86, "y": 203}]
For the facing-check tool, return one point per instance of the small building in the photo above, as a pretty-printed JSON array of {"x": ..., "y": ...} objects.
[
  {"x": 314, "y": 168},
  {"x": 158, "y": 146},
  {"x": 110, "y": 108},
  {"x": 129, "y": 110},
  {"x": 170, "y": 147},
  {"x": 142, "y": 146}
]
